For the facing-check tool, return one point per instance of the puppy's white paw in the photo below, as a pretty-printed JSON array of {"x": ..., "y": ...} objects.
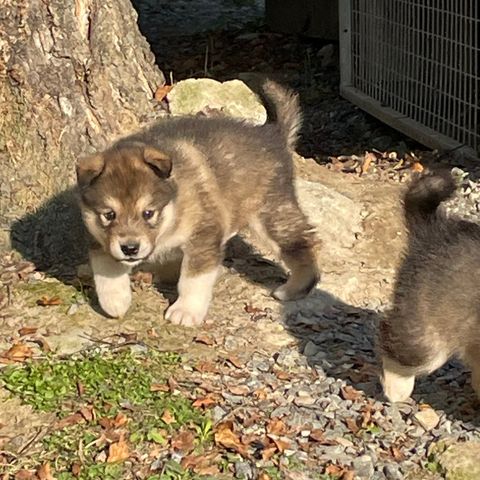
[
  {"x": 281, "y": 293},
  {"x": 180, "y": 313},
  {"x": 397, "y": 388},
  {"x": 115, "y": 303}
]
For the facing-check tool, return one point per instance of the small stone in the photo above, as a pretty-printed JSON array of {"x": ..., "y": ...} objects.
[
  {"x": 427, "y": 418},
  {"x": 311, "y": 349},
  {"x": 304, "y": 400},
  {"x": 218, "y": 413},
  {"x": 72, "y": 310},
  {"x": 392, "y": 472},
  {"x": 243, "y": 470},
  {"x": 363, "y": 467}
]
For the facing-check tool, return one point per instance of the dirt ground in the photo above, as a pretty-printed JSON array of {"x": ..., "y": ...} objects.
[{"x": 361, "y": 277}]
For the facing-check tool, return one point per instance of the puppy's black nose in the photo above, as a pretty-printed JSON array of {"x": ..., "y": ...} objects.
[{"x": 130, "y": 249}]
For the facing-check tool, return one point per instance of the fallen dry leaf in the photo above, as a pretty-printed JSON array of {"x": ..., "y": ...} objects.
[
  {"x": 368, "y": 159},
  {"x": 159, "y": 387},
  {"x": 87, "y": 413},
  {"x": 118, "y": 451},
  {"x": 27, "y": 331},
  {"x": 350, "y": 393},
  {"x": 45, "y": 301},
  {"x": 201, "y": 464},
  {"x": 24, "y": 475},
  {"x": 334, "y": 470},
  {"x": 112, "y": 423},
  {"x": 417, "y": 167},
  {"x": 269, "y": 452},
  {"x": 18, "y": 352},
  {"x": 162, "y": 92},
  {"x": 264, "y": 476},
  {"x": 173, "y": 384},
  {"x": 184, "y": 442},
  {"x": 226, "y": 437},
  {"x": 73, "y": 419},
  {"x": 210, "y": 470},
  {"x": 168, "y": 417},
  {"x": 120, "y": 420},
  {"x": 276, "y": 426},
  {"x": 261, "y": 393},
  {"x": 44, "y": 472},
  {"x": 352, "y": 425},
  {"x": 317, "y": 435},
  {"x": 204, "y": 339},
  {"x": 206, "y": 367},
  {"x": 76, "y": 469},
  {"x": 151, "y": 332},
  {"x": 397, "y": 454},
  {"x": 235, "y": 361},
  {"x": 282, "y": 375},
  {"x": 80, "y": 389},
  {"x": 239, "y": 389},
  {"x": 204, "y": 402},
  {"x": 281, "y": 443},
  {"x": 348, "y": 475}
]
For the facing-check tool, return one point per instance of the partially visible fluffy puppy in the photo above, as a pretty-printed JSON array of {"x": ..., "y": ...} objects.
[
  {"x": 436, "y": 307},
  {"x": 188, "y": 185}
]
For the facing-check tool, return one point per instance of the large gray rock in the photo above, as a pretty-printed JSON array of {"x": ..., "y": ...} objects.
[
  {"x": 461, "y": 461},
  {"x": 204, "y": 95},
  {"x": 337, "y": 217}
]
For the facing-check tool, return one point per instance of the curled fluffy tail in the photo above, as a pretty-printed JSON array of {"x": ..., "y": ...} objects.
[
  {"x": 425, "y": 194},
  {"x": 287, "y": 110}
]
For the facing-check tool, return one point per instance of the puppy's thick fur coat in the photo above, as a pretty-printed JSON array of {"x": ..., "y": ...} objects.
[
  {"x": 190, "y": 184},
  {"x": 436, "y": 308}
]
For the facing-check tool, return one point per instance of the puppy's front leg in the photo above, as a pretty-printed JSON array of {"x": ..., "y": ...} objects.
[
  {"x": 112, "y": 283},
  {"x": 199, "y": 272}
]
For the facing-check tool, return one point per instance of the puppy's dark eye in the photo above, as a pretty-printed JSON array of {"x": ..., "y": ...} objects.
[
  {"x": 148, "y": 214},
  {"x": 109, "y": 216}
]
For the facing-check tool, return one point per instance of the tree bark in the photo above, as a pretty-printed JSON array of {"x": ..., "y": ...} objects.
[{"x": 74, "y": 75}]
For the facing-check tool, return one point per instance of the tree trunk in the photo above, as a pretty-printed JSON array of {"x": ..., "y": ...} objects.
[{"x": 74, "y": 75}]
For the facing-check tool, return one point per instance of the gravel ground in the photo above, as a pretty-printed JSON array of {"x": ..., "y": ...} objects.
[
  {"x": 359, "y": 431},
  {"x": 312, "y": 405}
]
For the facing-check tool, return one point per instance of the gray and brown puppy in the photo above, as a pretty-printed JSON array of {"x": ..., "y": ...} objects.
[
  {"x": 436, "y": 308},
  {"x": 190, "y": 184}
]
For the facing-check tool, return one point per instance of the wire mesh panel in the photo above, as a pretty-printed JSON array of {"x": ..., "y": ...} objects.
[{"x": 418, "y": 62}]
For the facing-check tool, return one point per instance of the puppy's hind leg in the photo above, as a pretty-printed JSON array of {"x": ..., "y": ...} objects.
[
  {"x": 288, "y": 228},
  {"x": 112, "y": 283},
  {"x": 398, "y": 380}
]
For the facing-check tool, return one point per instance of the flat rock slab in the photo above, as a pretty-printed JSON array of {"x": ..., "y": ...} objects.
[
  {"x": 207, "y": 96},
  {"x": 337, "y": 217}
]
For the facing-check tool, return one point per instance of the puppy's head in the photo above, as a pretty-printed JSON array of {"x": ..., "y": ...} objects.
[{"x": 127, "y": 199}]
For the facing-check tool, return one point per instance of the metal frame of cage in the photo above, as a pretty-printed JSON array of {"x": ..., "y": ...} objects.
[{"x": 415, "y": 64}]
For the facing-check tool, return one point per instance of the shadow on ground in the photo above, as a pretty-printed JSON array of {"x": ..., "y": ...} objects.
[
  {"x": 339, "y": 339},
  {"x": 332, "y": 334},
  {"x": 53, "y": 237}
]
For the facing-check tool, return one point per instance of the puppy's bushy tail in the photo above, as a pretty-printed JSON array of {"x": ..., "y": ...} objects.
[
  {"x": 286, "y": 109},
  {"x": 425, "y": 194}
]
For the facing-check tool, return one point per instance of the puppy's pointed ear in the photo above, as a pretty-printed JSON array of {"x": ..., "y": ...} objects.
[
  {"x": 158, "y": 161},
  {"x": 89, "y": 168}
]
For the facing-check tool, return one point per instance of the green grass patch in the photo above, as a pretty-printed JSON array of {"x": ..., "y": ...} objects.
[{"x": 108, "y": 384}]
